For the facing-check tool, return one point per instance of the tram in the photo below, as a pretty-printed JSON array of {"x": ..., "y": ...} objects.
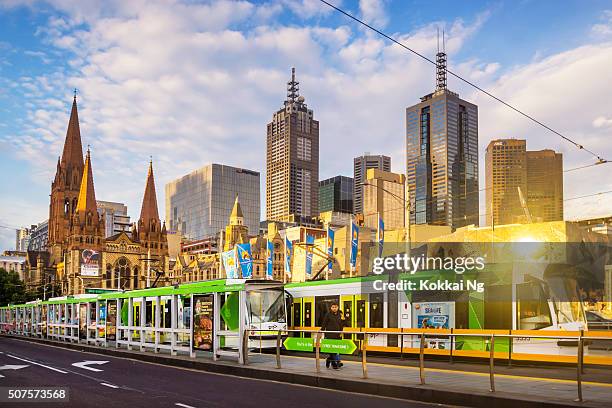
[
  {"x": 518, "y": 297},
  {"x": 208, "y": 315}
]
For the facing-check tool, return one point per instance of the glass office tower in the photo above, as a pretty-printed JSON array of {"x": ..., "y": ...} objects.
[{"x": 442, "y": 157}]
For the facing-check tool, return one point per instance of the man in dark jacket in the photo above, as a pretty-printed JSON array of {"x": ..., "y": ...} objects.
[{"x": 333, "y": 321}]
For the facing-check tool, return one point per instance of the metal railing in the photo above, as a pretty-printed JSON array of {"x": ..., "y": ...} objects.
[{"x": 422, "y": 340}]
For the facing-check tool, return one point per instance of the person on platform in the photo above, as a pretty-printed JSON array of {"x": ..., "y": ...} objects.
[{"x": 333, "y": 321}]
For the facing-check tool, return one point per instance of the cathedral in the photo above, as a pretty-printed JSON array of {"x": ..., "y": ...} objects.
[{"x": 79, "y": 253}]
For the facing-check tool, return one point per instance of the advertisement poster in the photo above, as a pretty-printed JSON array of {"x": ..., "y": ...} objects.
[
  {"x": 111, "y": 318},
  {"x": 90, "y": 262},
  {"x": 330, "y": 248},
  {"x": 354, "y": 242},
  {"x": 434, "y": 315},
  {"x": 203, "y": 322},
  {"x": 269, "y": 260},
  {"x": 82, "y": 321},
  {"x": 309, "y": 244}
]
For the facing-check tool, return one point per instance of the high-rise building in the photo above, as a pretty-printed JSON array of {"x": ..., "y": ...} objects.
[
  {"x": 383, "y": 194},
  {"x": 292, "y": 160},
  {"x": 116, "y": 219},
  {"x": 545, "y": 184},
  {"x": 442, "y": 157},
  {"x": 199, "y": 203},
  {"x": 539, "y": 175},
  {"x": 361, "y": 165},
  {"x": 39, "y": 237},
  {"x": 22, "y": 238},
  {"x": 336, "y": 194}
]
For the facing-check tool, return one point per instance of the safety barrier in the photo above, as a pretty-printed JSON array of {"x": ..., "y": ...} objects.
[{"x": 423, "y": 334}]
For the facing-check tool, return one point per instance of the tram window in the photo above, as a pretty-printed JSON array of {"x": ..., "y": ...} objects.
[
  {"x": 136, "y": 321},
  {"x": 167, "y": 318},
  {"x": 376, "y": 310},
  {"x": 361, "y": 313},
  {"x": 187, "y": 312},
  {"x": 322, "y": 306},
  {"x": 297, "y": 309},
  {"x": 149, "y": 313},
  {"x": 533, "y": 308},
  {"x": 497, "y": 307},
  {"x": 347, "y": 309},
  {"x": 92, "y": 313},
  {"x": 308, "y": 314}
]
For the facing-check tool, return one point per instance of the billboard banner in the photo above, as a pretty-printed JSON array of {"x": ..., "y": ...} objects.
[
  {"x": 245, "y": 260},
  {"x": 354, "y": 242},
  {"x": 229, "y": 263},
  {"x": 288, "y": 250},
  {"x": 309, "y": 244},
  {"x": 90, "y": 262},
  {"x": 330, "y": 247},
  {"x": 269, "y": 258},
  {"x": 380, "y": 235}
]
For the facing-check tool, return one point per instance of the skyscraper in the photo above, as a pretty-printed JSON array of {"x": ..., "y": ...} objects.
[
  {"x": 292, "y": 160},
  {"x": 383, "y": 195},
  {"x": 336, "y": 194},
  {"x": 199, "y": 203},
  {"x": 539, "y": 174},
  {"x": 115, "y": 215},
  {"x": 361, "y": 165},
  {"x": 442, "y": 157}
]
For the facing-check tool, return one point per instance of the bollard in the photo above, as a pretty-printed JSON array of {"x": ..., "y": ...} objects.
[
  {"x": 364, "y": 364},
  {"x": 492, "y": 363},
  {"x": 580, "y": 358},
  {"x": 278, "y": 346},
  {"x": 317, "y": 350},
  {"x": 422, "y": 359}
]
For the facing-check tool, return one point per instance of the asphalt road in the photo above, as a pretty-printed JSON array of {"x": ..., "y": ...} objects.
[{"x": 129, "y": 383}]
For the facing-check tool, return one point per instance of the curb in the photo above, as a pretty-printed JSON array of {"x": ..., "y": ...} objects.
[{"x": 406, "y": 392}]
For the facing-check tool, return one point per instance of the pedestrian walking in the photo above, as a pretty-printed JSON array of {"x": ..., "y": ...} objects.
[{"x": 333, "y": 321}]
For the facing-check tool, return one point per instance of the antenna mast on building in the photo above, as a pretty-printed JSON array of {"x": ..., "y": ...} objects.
[
  {"x": 293, "y": 88},
  {"x": 441, "y": 64}
]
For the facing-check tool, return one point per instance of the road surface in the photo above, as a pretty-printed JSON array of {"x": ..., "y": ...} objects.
[{"x": 103, "y": 381}]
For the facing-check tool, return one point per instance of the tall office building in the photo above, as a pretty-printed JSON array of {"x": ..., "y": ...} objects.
[
  {"x": 539, "y": 174},
  {"x": 292, "y": 160},
  {"x": 442, "y": 157},
  {"x": 361, "y": 165},
  {"x": 336, "y": 194},
  {"x": 22, "y": 238},
  {"x": 116, "y": 219},
  {"x": 383, "y": 195},
  {"x": 199, "y": 204}
]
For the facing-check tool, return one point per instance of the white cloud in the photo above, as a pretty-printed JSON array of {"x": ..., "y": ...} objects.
[
  {"x": 602, "y": 121},
  {"x": 373, "y": 12},
  {"x": 604, "y": 29}
]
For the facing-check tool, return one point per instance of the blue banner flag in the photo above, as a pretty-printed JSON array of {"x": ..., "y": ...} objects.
[
  {"x": 245, "y": 260},
  {"x": 229, "y": 263},
  {"x": 380, "y": 235},
  {"x": 269, "y": 256},
  {"x": 288, "y": 250},
  {"x": 354, "y": 241},
  {"x": 309, "y": 244},
  {"x": 330, "y": 247}
]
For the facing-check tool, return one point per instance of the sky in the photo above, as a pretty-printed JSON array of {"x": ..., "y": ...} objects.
[{"x": 193, "y": 82}]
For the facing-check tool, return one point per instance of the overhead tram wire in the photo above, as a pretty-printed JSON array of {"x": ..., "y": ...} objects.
[{"x": 600, "y": 160}]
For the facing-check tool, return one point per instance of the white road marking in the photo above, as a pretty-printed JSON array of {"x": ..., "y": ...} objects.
[
  {"x": 38, "y": 364},
  {"x": 13, "y": 367},
  {"x": 84, "y": 364},
  {"x": 178, "y": 404},
  {"x": 109, "y": 385}
]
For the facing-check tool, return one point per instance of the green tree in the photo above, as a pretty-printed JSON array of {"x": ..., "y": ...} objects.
[{"x": 12, "y": 289}]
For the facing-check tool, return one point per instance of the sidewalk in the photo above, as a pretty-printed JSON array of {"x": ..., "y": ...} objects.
[{"x": 441, "y": 385}]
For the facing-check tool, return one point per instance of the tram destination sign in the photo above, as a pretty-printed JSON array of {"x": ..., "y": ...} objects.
[{"x": 327, "y": 345}]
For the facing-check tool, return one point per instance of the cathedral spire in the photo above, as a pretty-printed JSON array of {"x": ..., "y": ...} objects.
[
  {"x": 87, "y": 195},
  {"x": 73, "y": 149},
  {"x": 149, "y": 201},
  {"x": 236, "y": 217}
]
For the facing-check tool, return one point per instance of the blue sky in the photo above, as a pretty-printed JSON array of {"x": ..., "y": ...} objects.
[{"x": 195, "y": 82}]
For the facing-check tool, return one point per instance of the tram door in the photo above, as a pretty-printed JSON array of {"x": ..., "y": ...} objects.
[
  {"x": 346, "y": 306},
  {"x": 360, "y": 313},
  {"x": 376, "y": 319},
  {"x": 307, "y": 320},
  {"x": 297, "y": 314}
]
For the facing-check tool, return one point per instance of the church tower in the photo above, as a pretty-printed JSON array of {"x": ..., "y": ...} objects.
[
  {"x": 236, "y": 232},
  {"x": 86, "y": 238},
  {"x": 151, "y": 233},
  {"x": 65, "y": 187}
]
